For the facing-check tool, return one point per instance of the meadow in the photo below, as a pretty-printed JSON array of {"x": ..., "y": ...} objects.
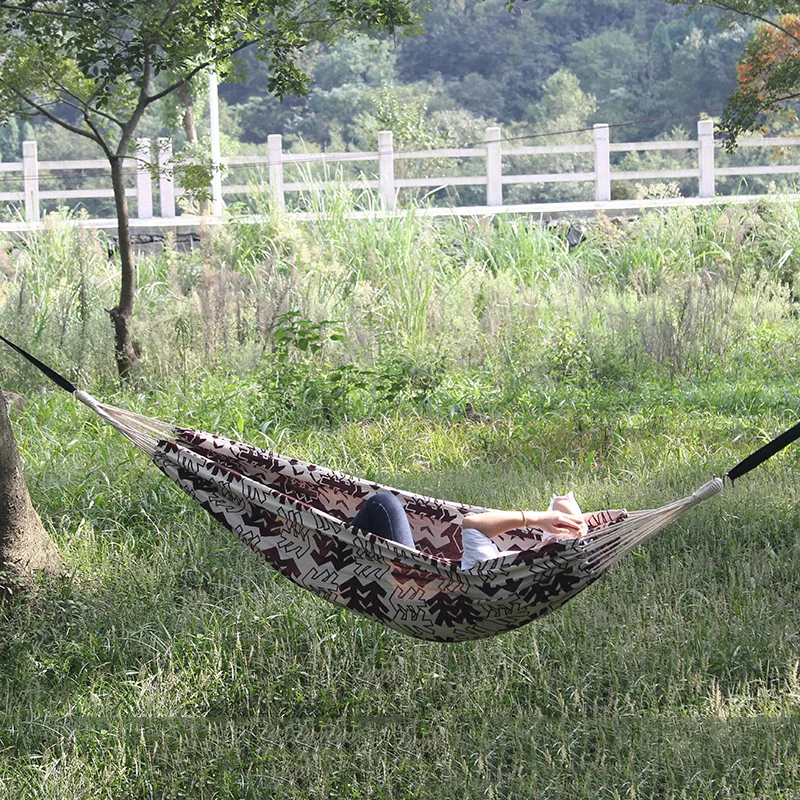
[{"x": 492, "y": 362}]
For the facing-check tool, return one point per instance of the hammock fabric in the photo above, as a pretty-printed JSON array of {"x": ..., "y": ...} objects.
[{"x": 297, "y": 516}]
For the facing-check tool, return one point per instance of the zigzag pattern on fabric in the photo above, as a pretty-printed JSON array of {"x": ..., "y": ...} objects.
[{"x": 297, "y": 516}]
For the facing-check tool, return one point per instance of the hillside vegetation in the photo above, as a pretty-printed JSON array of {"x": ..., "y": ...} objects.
[{"x": 634, "y": 61}]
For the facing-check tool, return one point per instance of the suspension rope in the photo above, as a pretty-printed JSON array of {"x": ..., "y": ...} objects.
[
  {"x": 763, "y": 453},
  {"x": 59, "y": 380}
]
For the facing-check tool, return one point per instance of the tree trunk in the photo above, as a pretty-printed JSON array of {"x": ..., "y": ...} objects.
[
  {"x": 189, "y": 128},
  {"x": 25, "y": 546},
  {"x": 121, "y": 314},
  {"x": 190, "y": 131}
]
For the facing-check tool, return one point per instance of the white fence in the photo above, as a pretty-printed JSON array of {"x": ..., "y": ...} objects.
[
  {"x": 33, "y": 172},
  {"x": 380, "y": 175}
]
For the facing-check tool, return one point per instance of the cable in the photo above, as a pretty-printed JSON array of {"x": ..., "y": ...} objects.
[{"x": 614, "y": 125}]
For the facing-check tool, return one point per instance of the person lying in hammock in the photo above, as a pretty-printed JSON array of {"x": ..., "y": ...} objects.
[{"x": 383, "y": 514}]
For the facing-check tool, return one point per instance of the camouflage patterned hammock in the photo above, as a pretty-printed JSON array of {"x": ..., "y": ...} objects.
[{"x": 297, "y": 515}]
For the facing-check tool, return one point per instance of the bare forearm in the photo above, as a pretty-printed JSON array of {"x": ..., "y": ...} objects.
[{"x": 493, "y": 523}]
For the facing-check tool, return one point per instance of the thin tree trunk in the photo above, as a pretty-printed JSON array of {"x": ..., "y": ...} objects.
[
  {"x": 190, "y": 131},
  {"x": 185, "y": 97},
  {"x": 25, "y": 546},
  {"x": 121, "y": 314}
]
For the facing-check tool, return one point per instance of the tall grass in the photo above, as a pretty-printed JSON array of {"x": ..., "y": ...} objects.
[
  {"x": 171, "y": 663},
  {"x": 688, "y": 295}
]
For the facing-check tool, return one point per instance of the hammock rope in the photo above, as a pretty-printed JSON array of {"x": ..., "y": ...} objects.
[{"x": 297, "y": 516}]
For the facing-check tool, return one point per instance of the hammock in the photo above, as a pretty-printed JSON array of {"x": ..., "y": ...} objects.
[{"x": 297, "y": 516}]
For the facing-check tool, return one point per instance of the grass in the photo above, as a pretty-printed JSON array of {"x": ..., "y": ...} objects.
[{"x": 172, "y": 663}]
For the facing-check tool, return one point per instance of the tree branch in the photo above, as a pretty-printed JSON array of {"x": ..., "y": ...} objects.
[
  {"x": 784, "y": 99},
  {"x": 171, "y": 11},
  {"x": 80, "y": 104},
  {"x": 63, "y": 15},
  {"x": 723, "y": 6},
  {"x": 98, "y": 136},
  {"x": 41, "y": 109},
  {"x": 47, "y": 12},
  {"x": 199, "y": 68},
  {"x": 144, "y": 101}
]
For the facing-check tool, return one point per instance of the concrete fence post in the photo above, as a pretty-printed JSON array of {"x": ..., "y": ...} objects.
[
  {"x": 494, "y": 168},
  {"x": 166, "y": 178},
  {"x": 705, "y": 158},
  {"x": 217, "y": 202},
  {"x": 602, "y": 163},
  {"x": 386, "y": 169},
  {"x": 30, "y": 181},
  {"x": 275, "y": 153},
  {"x": 144, "y": 183}
]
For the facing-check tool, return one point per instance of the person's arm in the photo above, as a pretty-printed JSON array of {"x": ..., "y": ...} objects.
[{"x": 493, "y": 523}]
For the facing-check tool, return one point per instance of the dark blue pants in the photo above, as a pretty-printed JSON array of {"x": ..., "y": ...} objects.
[{"x": 383, "y": 514}]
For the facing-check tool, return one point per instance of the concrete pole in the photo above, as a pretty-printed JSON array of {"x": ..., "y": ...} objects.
[
  {"x": 705, "y": 157},
  {"x": 144, "y": 186},
  {"x": 494, "y": 168},
  {"x": 386, "y": 169},
  {"x": 217, "y": 205},
  {"x": 602, "y": 163},
  {"x": 166, "y": 182},
  {"x": 30, "y": 180},
  {"x": 275, "y": 153}
]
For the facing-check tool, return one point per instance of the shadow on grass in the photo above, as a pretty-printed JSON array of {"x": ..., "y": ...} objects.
[{"x": 186, "y": 668}]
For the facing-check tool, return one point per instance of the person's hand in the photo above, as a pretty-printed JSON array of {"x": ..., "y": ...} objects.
[{"x": 558, "y": 522}]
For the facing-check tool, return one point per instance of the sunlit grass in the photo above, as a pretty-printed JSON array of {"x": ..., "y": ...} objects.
[{"x": 171, "y": 662}]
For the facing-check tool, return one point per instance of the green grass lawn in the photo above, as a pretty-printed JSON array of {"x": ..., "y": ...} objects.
[
  {"x": 173, "y": 663},
  {"x": 483, "y": 362}
]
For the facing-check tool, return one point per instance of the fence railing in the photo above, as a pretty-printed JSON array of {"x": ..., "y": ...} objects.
[
  {"x": 33, "y": 172},
  {"x": 153, "y": 179}
]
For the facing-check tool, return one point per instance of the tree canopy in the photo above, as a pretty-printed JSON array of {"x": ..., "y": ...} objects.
[
  {"x": 768, "y": 74},
  {"x": 643, "y": 60},
  {"x": 95, "y": 66}
]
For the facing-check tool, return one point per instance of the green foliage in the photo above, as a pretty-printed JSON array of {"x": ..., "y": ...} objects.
[
  {"x": 107, "y": 65},
  {"x": 564, "y": 106},
  {"x": 605, "y": 64},
  {"x": 172, "y": 663},
  {"x": 567, "y": 353},
  {"x": 641, "y": 59},
  {"x": 10, "y": 142},
  {"x": 768, "y": 71},
  {"x": 429, "y": 314},
  {"x": 95, "y": 72},
  {"x": 193, "y": 170},
  {"x": 358, "y": 60},
  {"x": 172, "y": 110},
  {"x": 344, "y": 79},
  {"x": 404, "y": 111},
  {"x": 292, "y": 332}
]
